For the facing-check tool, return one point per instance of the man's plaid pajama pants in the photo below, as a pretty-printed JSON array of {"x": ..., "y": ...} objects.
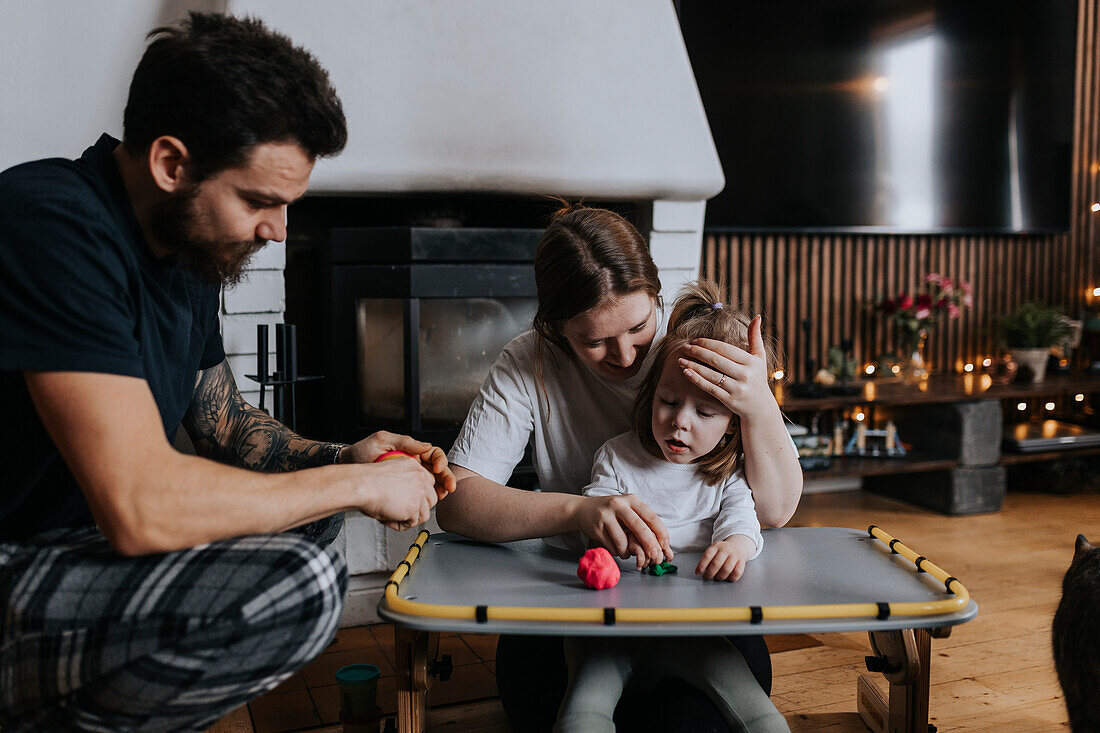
[{"x": 92, "y": 640}]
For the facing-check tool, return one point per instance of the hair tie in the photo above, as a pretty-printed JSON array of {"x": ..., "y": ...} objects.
[{"x": 716, "y": 307}]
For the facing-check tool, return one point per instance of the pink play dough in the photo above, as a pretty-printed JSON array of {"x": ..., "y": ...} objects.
[{"x": 598, "y": 569}]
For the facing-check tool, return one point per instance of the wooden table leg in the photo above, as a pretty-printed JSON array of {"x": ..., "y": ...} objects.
[
  {"x": 904, "y": 657},
  {"x": 411, "y": 657}
]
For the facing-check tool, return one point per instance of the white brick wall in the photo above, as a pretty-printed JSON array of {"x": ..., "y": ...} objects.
[
  {"x": 259, "y": 298},
  {"x": 676, "y": 243},
  {"x": 678, "y": 216}
]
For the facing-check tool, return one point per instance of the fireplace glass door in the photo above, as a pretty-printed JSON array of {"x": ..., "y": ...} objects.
[{"x": 457, "y": 341}]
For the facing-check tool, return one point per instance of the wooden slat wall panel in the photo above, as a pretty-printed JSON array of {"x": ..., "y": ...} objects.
[
  {"x": 831, "y": 278},
  {"x": 1081, "y": 263}
]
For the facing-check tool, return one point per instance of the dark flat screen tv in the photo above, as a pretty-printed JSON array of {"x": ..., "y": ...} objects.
[{"x": 911, "y": 116}]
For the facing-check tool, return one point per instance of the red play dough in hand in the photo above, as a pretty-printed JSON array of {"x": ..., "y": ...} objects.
[
  {"x": 392, "y": 454},
  {"x": 598, "y": 569}
]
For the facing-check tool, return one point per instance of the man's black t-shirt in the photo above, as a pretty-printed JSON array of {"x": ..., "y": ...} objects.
[{"x": 80, "y": 290}]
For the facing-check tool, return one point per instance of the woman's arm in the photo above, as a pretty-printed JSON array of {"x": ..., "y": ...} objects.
[
  {"x": 739, "y": 380},
  {"x": 771, "y": 466},
  {"x": 490, "y": 512},
  {"x": 485, "y": 510}
]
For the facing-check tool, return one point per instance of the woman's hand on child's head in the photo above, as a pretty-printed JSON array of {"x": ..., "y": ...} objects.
[
  {"x": 735, "y": 377},
  {"x": 726, "y": 560},
  {"x": 626, "y": 526}
]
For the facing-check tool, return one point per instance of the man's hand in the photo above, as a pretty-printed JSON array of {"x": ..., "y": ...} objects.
[
  {"x": 626, "y": 526},
  {"x": 400, "y": 494},
  {"x": 726, "y": 560},
  {"x": 431, "y": 457}
]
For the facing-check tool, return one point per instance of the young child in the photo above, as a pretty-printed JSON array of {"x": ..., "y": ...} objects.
[{"x": 683, "y": 459}]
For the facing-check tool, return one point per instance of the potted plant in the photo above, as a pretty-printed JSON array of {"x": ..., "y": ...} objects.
[{"x": 1028, "y": 333}]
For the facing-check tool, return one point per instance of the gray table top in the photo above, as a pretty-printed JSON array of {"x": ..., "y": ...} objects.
[{"x": 798, "y": 566}]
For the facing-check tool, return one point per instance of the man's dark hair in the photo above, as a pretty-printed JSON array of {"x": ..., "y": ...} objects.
[{"x": 223, "y": 85}]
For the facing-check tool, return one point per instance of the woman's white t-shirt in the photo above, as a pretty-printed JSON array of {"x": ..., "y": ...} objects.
[
  {"x": 695, "y": 515},
  {"x": 580, "y": 411}
]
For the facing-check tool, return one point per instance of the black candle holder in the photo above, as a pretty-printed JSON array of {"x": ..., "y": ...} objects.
[{"x": 285, "y": 377}]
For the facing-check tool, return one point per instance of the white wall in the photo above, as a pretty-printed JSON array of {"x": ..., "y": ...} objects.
[
  {"x": 570, "y": 97},
  {"x": 65, "y": 68}
]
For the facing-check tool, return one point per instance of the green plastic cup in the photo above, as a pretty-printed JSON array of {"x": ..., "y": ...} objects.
[{"x": 358, "y": 691}]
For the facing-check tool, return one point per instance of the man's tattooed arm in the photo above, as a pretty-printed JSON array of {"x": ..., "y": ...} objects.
[{"x": 224, "y": 427}]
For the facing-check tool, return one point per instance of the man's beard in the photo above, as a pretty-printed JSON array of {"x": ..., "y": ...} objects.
[{"x": 219, "y": 263}]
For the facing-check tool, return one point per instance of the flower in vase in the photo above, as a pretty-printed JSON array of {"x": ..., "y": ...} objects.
[{"x": 941, "y": 297}]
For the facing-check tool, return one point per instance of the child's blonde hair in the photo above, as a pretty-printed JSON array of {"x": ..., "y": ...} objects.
[{"x": 698, "y": 313}]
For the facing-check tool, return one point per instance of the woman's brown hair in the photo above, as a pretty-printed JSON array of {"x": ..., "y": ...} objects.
[
  {"x": 698, "y": 313},
  {"x": 587, "y": 258}
]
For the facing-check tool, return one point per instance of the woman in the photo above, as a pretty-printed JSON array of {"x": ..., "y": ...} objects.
[{"x": 566, "y": 387}]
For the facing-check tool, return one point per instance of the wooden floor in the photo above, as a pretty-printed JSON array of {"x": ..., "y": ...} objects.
[{"x": 994, "y": 673}]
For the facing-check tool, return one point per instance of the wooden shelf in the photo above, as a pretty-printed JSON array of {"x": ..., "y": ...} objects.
[
  {"x": 852, "y": 466},
  {"x": 1012, "y": 459},
  {"x": 942, "y": 388}
]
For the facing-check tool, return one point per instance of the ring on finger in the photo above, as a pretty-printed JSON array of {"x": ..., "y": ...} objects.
[{"x": 723, "y": 379}]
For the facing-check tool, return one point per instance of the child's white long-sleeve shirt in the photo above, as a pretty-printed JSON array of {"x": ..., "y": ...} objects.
[{"x": 696, "y": 515}]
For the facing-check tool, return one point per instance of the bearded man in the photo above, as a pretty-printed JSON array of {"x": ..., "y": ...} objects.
[{"x": 146, "y": 589}]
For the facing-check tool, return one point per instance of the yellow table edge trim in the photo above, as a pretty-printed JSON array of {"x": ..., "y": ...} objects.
[{"x": 665, "y": 615}]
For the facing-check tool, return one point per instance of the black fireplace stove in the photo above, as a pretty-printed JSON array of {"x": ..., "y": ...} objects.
[{"x": 414, "y": 320}]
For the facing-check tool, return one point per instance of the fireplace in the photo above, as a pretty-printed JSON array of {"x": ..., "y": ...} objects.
[
  {"x": 403, "y": 304},
  {"x": 416, "y": 317}
]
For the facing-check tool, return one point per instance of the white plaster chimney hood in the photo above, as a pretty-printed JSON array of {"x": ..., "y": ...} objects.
[{"x": 570, "y": 97}]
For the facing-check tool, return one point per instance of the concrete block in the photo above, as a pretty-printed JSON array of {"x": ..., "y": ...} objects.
[
  {"x": 239, "y": 331},
  {"x": 271, "y": 257},
  {"x": 958, "y": 491},
  {"x": 676, "y": 249},
  {"x": 968, "y": 431},
  {"x": 261, "y": 291},
  {"x": 678, "y": 216}
]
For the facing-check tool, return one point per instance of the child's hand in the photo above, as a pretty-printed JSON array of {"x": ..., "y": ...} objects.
[{"x": 726, "y": 560}]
